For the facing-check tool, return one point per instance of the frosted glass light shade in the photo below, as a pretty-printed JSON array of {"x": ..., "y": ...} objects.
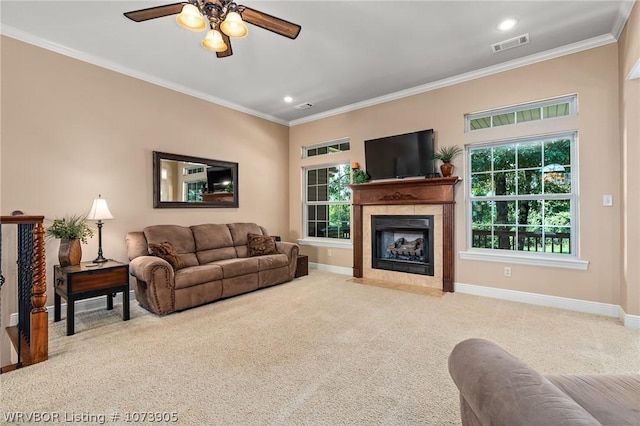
[
  {"x": 191, "y": 19},
  {"x": 99, "y": 210},
  {"x": 233, "y": 26},
  {"x": 214, "y": 42}
]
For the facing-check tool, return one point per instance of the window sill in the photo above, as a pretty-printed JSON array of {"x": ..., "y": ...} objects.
[
  {"x": 554, "y": 262},
  {"x": 325, "y": 242}
]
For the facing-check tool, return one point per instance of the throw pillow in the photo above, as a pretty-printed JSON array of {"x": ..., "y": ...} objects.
[
  {"x": 167, "y": 252},
  {"x": 260, "y": 245}
]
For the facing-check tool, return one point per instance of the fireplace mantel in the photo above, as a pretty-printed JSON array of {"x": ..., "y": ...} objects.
[{"x": 407, "y": 192}]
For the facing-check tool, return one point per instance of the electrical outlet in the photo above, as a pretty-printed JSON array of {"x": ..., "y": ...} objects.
[
  {"x": 329, "y": 253},
  {"x": 607, "y": 200},
  {"x": 507, "y": 271}
]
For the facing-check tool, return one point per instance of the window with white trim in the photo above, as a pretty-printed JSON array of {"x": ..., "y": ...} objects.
[
  {"x": 543, "y": 110},
  {"x": 332, "y": 147},
  {"x": 522, "y": 195},
  {"x": 328, "y": 201}
]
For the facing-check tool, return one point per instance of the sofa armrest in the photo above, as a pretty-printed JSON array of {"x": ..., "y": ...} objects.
[
  {"x": 291, "y": 250},
  {"x": 155, "y": 284},
  {"x": 499, "y": 389}
]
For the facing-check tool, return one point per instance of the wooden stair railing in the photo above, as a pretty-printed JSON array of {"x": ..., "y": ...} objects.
[{"x": 30, "y": 337}]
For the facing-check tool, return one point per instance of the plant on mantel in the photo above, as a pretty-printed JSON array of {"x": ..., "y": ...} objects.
[{"x": 446, "y": 154}]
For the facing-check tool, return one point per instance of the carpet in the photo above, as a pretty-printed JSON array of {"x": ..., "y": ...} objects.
[{"x": 320, "y": 350}]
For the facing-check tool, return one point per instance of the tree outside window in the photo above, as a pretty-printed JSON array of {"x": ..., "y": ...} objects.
[
  {"x": 328, "y": 202},
  {"x": 521, "y": 195}
]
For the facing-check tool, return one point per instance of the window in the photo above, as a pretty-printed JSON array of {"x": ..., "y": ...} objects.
[
  {"x": 192, "y": 170},
  {"x": 194, "y": 190},
  {"x": 522, "y": 196},
  {"x": 552, "y": 108},
  {"x": 327, "y": 148},
  {"x": 328, "y": 202}
]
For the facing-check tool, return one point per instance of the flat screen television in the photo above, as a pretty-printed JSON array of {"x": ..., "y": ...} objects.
[
  {"x": 218, "y": 178},
  {"x": 401, "y": 156}
]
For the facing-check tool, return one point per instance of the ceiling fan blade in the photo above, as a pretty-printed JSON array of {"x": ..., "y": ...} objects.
[
  {"x": 227, "y": 52},
  {"x": 155, "y": 12},
  {"x": 268, "y": 22}
]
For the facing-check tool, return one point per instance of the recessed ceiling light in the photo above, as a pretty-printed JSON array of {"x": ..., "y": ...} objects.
[
  {"x": 507, "y": 24},
  {"x": 288, "y": 99}
]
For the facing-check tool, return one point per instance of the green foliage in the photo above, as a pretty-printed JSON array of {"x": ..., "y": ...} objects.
[
  {"x": 447, "y": 153},
  {"x": 229, "y": 187},
  {"x": 360, "y": 176},
  {"x": 70, "y": 228},
  {"x": 338, "y": 178}
]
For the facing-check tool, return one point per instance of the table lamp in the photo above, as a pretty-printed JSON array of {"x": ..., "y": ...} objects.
[{"x": 99, "y": 211}]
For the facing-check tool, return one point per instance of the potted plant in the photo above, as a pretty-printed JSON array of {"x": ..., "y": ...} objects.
[
  {"x": 360, "y": 176},
  {"x": 446, "y": 154},
  {"x": 71, "y": 231}
]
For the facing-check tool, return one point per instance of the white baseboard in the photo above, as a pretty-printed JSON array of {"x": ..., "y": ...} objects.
[
  {"x": 331, "y": 268},
  {"x": 577, "y": 305},
  {"x": 630, "y": 321},
  {"x": 99, "y": 302}
]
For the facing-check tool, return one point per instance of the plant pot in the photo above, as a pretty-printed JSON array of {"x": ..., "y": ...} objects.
[
  {"x": 70, "y": 253},
  {"x": 446, "y": 169}
]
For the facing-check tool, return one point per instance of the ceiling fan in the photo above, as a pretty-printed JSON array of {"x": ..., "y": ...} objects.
[{"x": 224, "y": 18}]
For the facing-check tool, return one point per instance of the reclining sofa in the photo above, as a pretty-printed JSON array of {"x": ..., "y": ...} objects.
[
  {"x": 179, "y": 267},
  {"x": 498, "y": 389}
]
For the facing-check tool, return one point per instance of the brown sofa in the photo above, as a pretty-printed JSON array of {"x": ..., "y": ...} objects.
[
  {"x": 498, "y": 389},
  {"x": 216, "y": 264}
]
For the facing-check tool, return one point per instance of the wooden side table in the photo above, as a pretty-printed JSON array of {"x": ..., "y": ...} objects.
[
  {"x": 90, "y": 280},
  {"x": 302, "y": 267}
]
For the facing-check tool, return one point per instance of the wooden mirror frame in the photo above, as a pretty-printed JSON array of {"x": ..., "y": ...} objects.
[{"x": 157, "y": 169}]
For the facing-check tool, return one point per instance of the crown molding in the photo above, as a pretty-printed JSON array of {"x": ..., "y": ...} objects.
[
  {"x": 461, "y": 78},
  {"x": 623, "y": 16},
  {"x": 591, "y": 43},
  {"x": 20, "y": 35}
]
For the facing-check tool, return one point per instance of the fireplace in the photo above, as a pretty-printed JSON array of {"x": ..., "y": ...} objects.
[
  {"x": 417, "y": 197},
  {"x": 402, "y": 243}
]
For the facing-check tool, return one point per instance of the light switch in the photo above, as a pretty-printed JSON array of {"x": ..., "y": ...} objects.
[{"x": 607, "y": 200}]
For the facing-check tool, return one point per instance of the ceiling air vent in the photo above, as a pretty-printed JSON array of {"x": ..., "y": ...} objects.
[
  {"x": 305, "y": 105},
  {"x": 511, "y": 43}
]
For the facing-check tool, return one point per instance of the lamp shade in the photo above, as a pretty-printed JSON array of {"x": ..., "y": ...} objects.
[
  {"x": 213, "y": 41},
  {"x": 99, "y": 210},
  {"x": 191, "y": 19},
  {"x": 233, "y": 25}
]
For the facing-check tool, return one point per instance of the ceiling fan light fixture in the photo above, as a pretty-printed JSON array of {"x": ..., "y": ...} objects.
[
  {"x": 233, "y": 26},
  {"x": 214, "y": 42},
  {"x": 191, "y": 19}
]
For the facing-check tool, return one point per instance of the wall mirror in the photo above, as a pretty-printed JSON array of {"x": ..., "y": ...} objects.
[{"x": 184, "y": 181}]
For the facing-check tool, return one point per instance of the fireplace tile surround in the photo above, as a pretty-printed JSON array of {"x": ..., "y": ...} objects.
[
  {"x": 434, "y": 197},
  {"x": 434, "y": 281}
]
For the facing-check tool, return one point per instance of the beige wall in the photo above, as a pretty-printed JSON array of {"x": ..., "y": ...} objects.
[
  {"x": 593, "y": 75},
  {"x": 629, "y": 54},
  {"x": 71, "y": 131}
]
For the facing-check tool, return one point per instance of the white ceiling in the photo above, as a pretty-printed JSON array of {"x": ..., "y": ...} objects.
[{"x": 348, "y": 54}]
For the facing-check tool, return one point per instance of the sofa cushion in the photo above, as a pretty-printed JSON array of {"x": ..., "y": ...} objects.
[
  {"x": 272, "y": 261},
  {"x": 237, "y": 267},
  {"x": 239, "y": 233},
  {"x": 196, "y": 275},
  {"x": 213, "y": 242},
  {"x": 611, "y": 399},
  {"x": 180, "y": 237},
  {"x": 167, "y": 252},
  {"x": 260, "y": 245}
]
